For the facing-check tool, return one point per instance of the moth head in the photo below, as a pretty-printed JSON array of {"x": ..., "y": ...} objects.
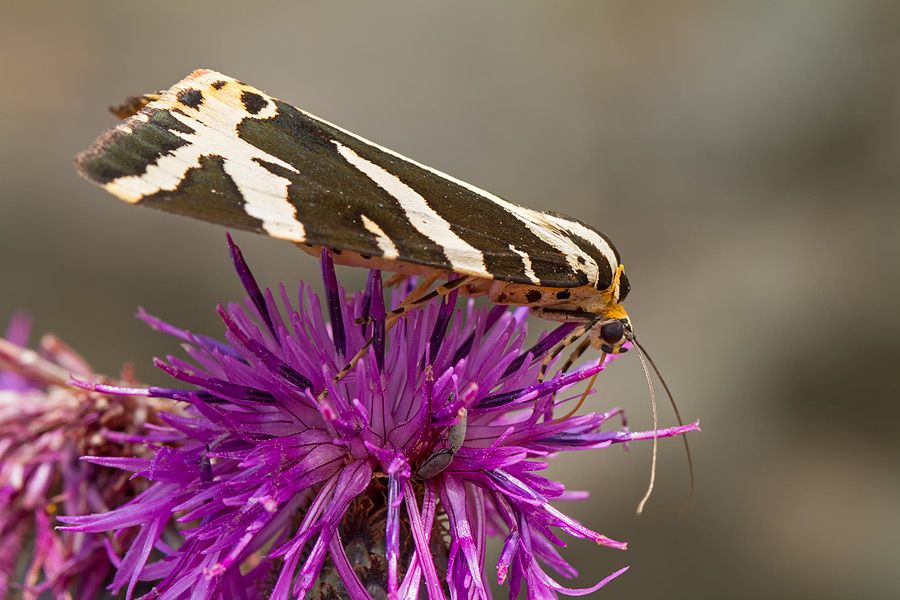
[{"x": 612, "y": 330}]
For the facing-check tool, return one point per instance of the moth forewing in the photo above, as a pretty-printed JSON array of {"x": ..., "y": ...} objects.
[{"x": 216, "y": 149}]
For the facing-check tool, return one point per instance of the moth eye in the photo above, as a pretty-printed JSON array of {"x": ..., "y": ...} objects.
[{"x": 612, "y": 332}]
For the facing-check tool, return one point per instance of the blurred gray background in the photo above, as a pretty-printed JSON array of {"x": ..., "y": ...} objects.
[{"x": 743, "y": 156}]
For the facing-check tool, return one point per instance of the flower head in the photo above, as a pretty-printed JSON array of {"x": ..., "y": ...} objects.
[
  {"x": 386, "y": 482},
  {"x": 46, "y": 426}
]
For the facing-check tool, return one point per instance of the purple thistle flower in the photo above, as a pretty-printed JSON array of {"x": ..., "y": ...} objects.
[
  {"x": 46, "y": 426},
  {"x": 385, "y": 484}
]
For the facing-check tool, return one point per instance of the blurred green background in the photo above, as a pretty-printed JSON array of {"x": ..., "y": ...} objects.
[{"x": 743, "y": 156}]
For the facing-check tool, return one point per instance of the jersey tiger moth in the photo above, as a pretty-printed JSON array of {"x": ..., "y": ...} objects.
[{"x": 216, "y": 149}]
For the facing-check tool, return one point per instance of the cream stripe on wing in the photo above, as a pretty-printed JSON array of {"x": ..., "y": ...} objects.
[
  {"x": 463, "y": 257},
  {"x": 537, "y": 222},
  {"x": 385, "y": 244},
  {"x": 526, "y": 261}
]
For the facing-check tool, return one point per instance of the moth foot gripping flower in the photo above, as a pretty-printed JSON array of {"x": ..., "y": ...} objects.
[
  {"x": 388, "y": 485},
  {"x": 46, "y": 426}
]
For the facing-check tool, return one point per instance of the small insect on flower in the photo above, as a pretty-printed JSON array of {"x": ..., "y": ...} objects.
[{"x": 283, "y": 493}]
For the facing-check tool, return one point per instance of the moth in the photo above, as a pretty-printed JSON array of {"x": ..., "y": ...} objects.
[{"x": 216, "y": 149}]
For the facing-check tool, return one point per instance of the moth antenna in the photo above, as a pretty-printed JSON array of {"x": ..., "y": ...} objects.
[
  {"x": 687, "y": 448},
  {"x": 640, "y": 506}
]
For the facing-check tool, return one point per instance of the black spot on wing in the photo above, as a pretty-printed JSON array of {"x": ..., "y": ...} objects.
[
  {"x": 331, "y": 195},
  {"x": 118, "y": 154},
  {"x": 207, "y": 192},
  {"x": 218, "y": 85},
  {"x": 192, "y": 98},
  {"x": 253, "y": 102}
]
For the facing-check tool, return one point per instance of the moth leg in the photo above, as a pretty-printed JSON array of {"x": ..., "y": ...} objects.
[
  {"x": 396, "y": 279},
  {"x": 562, "y": 315},
  {"x": 419, "y": 291},
  {"x": 349, "y": 366},
  {"x": 567, "y": 341},
  {"x": 410, "y": 303},
  {"x": 415, "y": 298},
  {"x": 576, "y": 354}
]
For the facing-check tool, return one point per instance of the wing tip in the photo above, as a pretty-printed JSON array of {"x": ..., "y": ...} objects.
[
  {"x": 132, "y": 111},
  {"x": 85, "y": 160}
]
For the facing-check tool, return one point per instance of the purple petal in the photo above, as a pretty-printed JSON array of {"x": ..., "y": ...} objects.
[
  {"x": 203, "y": 341},
  {"x": 421, "y": 526},
  {"x": 243, "y": 271},
  {"x": 455, "y": 501},
  {"x": 335, "y": 303}
]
